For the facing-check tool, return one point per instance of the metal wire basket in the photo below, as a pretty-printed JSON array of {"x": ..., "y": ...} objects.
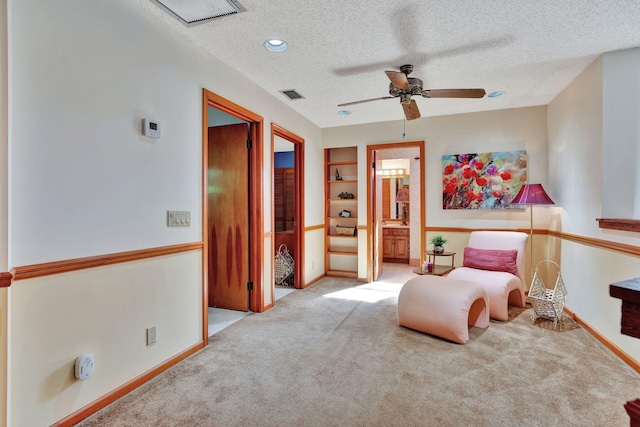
[
  {"x": 283, "y": 266},
  {"x": 547, "y": 303}
]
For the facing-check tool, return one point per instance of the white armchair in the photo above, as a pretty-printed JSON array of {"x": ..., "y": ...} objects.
[{"x": 498, "y": 266}]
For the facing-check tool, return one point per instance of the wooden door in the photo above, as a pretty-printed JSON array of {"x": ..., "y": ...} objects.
[
  {"x": 228, "y": 221},
  {"x": 386, "y": 198},
  {"x": 284, "y": 199}
]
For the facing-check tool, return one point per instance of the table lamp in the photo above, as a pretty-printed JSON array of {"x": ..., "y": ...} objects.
[{"x": 403, "y": 196}]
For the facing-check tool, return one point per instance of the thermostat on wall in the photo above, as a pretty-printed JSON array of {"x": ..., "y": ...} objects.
[{"x": 151, "y": 128}]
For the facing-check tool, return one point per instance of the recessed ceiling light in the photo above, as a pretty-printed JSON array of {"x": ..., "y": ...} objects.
[
  {"x": 344, "y": 112},
  {"x": 275, "y": 45},
  {"x": 495, "y": 94}
]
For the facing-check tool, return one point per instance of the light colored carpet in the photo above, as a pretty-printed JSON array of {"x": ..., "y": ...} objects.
[{"x": 333, "y": 355}]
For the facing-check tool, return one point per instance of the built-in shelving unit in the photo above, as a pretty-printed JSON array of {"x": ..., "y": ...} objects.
[{"x": 341, "y": 250}]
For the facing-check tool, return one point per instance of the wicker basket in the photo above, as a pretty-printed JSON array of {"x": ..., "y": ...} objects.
[
  {"x": 547, "y": 303},
  {"x": 283, "y": 266}
]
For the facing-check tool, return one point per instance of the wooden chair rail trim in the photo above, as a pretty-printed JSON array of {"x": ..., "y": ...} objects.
[
  {"x": 116, "y": 394},
  {"x": 633, "y": 363},
  {"x": 314, "y": 227},
  {"x": 590, "y": 241},
  {"x": 45, "y": 269},
  {"x": 469, "y": 230},
  {"x": 5, "y": 279},
  {"x": 598, "y": 243},
  {"x": 309, "y": 228},
  {"x": 48, "y": 268}
]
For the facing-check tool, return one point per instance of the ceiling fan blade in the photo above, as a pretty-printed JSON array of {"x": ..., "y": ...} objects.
[
  {"x": 398, "y": 79},
  {"x": 453, "y": 93},
  {"x": 411, "y": 110},
  {"x": 405, "y": 33},
  {"x": 365, "y": 100},
  {"x": 373, "y": 67}
]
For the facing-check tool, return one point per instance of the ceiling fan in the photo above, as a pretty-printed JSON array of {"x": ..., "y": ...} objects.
[{"x": 404, "y": 87}]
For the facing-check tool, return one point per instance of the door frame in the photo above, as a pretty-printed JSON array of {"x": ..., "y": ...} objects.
[
  {"x": 256, "y": 201},
  {"x": 371, "y": 202},
  {"x": 298, "y": 177}
]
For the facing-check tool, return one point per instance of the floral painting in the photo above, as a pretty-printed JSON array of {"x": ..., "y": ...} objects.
[{"x": 484, "y": 180}]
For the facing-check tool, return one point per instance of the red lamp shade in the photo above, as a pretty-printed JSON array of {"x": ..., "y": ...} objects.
[{"x": 532, "y": 194}]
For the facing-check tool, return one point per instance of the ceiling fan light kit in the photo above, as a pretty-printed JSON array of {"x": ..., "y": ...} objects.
[{"x": 405, "y": 87}]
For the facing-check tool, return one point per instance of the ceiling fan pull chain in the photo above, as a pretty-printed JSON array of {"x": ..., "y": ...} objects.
[{"x": 404, "y": 128}]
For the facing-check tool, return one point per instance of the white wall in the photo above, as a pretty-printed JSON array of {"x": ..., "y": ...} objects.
[
  {"x": 104, "y": 311},
  {"x": 502, "y": 130},
  {"x": 84, "y": 182},
  {"x": 576, "y": 171},
  {"x": 4, "y": 188},
  {"x": 575, "y": 153},
  {"x": 4, "y": 137},
  {"x": 621, "y": 134}
]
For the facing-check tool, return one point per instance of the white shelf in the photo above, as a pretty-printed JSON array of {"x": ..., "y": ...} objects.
[{"x": 341, "y": 251}]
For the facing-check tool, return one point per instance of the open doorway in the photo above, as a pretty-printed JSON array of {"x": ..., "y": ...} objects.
[
  {"x": 400, "y": 235},
  {"x": 288, "y": 203},
  {"x": 232, "y": 222}
]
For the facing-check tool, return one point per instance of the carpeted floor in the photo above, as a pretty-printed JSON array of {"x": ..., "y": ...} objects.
[{"x": 333, "y": 355}]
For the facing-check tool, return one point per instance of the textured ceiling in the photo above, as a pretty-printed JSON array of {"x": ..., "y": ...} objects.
[{"x": 338, "y": 50}]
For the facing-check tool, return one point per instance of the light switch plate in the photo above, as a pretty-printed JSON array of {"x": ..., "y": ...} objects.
[{"x": 178, "y": 218}]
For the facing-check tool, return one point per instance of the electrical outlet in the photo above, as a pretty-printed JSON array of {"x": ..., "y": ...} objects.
[
  {"x": 313, "y": 264},
  {"x": 151, "y": 335}
]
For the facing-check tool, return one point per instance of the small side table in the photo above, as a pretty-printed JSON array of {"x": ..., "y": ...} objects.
[{"x": 438, "y": 270}]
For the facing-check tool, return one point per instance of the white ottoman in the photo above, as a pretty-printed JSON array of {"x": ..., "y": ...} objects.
[{"x": 443, "y": 307}]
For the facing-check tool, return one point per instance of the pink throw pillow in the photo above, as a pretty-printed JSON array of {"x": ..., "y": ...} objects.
[{"x": 491, "y": 259}]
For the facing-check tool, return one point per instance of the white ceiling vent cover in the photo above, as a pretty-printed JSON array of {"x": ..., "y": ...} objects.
[
  {"x": 192, "y": 12},
  {"x": 292, "y": 94}
]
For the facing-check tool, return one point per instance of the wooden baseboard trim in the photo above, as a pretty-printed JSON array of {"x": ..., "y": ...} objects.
[
  {"x": 48, "y": 268},
  {"x": 314, "y": 227},
  {"x": 5, "y": 279},
  {"x": 314, "y": 280},
  {"x": 126, "y": 388},
  {"x": 633, "y": 363}
]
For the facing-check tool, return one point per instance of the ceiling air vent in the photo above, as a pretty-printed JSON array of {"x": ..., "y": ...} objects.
[
  {"x": 192, "y": 12},
  {"x": 292, "y": 94}
]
